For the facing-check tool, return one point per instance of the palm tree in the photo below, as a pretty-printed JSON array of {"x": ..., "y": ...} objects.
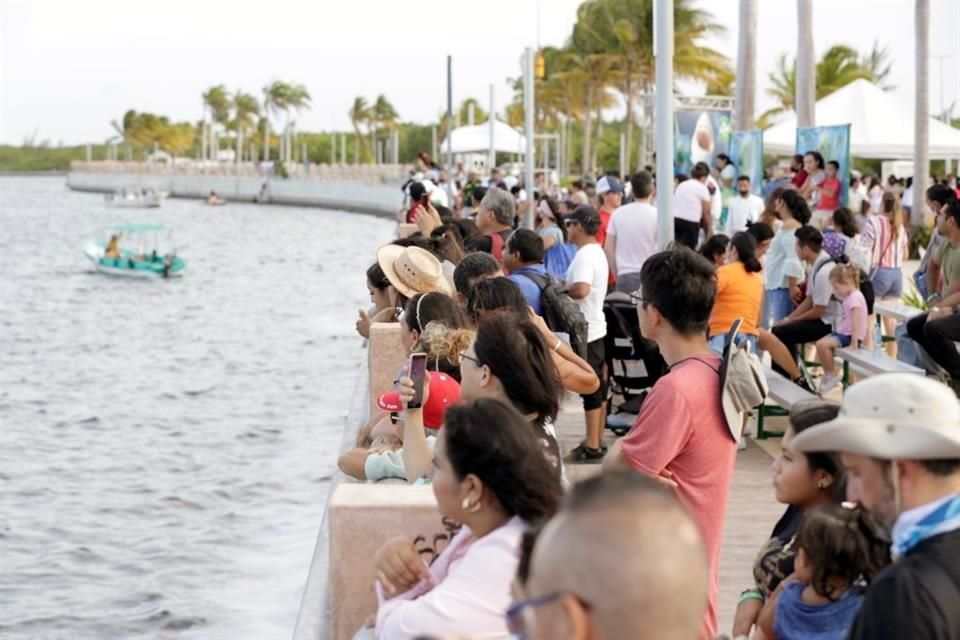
[
  {"x": 382, "y": 114},
  {"x": 746, "y": 85},
  {"x": 246, "y": 109},
  {"x": 359, "y": 114},
  {"x": 806, "y": 83},
  {"x": 217, "y": 102},
  {"x": 275, "y": 96},
  {"x": 921, "y": 119},
  {"x": 877, "y": 62},
  {"x": 297, "y": 98}
]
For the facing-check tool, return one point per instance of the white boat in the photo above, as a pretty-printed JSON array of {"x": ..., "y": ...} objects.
[
  {"x": 133, "y": 199},
  {"x": 136, "y": 251}
]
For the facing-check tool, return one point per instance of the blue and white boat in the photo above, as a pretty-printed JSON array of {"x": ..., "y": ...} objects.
[{"x": 136, "y": 251}]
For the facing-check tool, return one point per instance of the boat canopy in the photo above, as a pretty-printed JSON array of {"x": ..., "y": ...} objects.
[{"x": 137, "y": 228}]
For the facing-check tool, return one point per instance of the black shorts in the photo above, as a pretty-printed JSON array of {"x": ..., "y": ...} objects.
[{"x": 596, "y": 356}]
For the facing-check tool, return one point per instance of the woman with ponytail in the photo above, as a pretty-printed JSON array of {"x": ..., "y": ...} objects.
[
  {"x": 886, "y": 236},
  {"x": 739, "y": 293}
]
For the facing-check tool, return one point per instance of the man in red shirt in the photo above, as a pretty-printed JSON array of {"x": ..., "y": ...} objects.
[
  {"x": 681, "y": 436},
  {"x": 610, "y": 196}
]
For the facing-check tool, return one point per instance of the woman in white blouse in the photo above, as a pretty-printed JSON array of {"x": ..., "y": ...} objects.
[{"x": 489, "y": 477}]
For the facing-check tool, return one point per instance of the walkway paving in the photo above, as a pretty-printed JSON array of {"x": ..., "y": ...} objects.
[{"x": 751, "y": 513}]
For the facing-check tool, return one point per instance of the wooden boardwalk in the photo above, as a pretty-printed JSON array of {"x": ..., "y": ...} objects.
[{"x": 751, "y": 513}]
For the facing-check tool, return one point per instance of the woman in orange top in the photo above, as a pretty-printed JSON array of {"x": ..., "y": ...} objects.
[{"x": 739, "y": 293}]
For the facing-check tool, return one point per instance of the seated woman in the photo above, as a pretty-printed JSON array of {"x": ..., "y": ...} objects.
[
  {"x": 488, "y": 478},
  {"x": 715, "y": 249},
  {"x": 801, "y": 481},
  {"x": 113, "y": 246},
  {"x": 508, "y": 361},
  {"x": 739, "y": 293},
  {"x": 501, "y": 294}
]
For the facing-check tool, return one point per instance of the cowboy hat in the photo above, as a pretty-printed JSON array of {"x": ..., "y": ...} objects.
[
  {"x": 893, "y": 416},
  {"x": 412, "y": 270}
]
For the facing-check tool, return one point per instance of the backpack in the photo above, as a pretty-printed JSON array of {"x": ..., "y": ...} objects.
[
  {"x": 859, "y": 254},
  {"x": 866, "y": 286},
  {"x": 561, "y": 313},
  {"x": 496, "y": 246},
  {"x": 743, "y": 383}
]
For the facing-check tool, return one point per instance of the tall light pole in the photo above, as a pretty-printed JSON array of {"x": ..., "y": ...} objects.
[
  {"x": 449, "y": 163},
  {"x": 921, "y": 107},
  {"x": 663, "y": 48},
  {"x": 528, "y": 132}
]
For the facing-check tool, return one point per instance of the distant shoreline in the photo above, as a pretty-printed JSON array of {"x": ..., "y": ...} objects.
[{"x": 52, "y": 173}]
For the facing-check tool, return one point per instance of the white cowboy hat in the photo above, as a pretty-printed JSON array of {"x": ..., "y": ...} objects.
[
  {"x": 412, "y": 270},
  {"x": 893, "y": 416}
]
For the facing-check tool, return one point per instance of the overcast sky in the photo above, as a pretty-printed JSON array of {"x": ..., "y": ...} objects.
[{"x": 68, "y": 67}]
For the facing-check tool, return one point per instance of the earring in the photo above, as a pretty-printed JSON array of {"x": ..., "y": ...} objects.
[{"x": 465, "y": 505}]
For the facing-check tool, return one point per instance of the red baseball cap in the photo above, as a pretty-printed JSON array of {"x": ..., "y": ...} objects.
[{"x": 444, "y": 392}]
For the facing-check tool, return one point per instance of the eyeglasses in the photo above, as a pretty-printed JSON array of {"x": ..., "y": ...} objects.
[
  {"x": 515, "y": 619},
  {"x": 638, "y": 299},
  {"x": 569, "y": 223},
  {"x": 464, "y": 356}
]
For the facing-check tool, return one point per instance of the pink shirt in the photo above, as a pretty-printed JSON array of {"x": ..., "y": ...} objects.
[
  {"x": 681, "y": 428},
  {"x": 853, "y": 301},
  {"x": 468, "y": 592}
]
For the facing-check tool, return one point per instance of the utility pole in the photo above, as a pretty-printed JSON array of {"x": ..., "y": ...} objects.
[
  {"x": 663, "y": 48},
  {"x": 529, "y": 133}
]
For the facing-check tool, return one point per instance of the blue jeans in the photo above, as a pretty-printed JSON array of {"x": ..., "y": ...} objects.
[
  {"x": 843, "y": 340},
  {"x": 778, "y": 305},
  {"x": 719, "y": 341}
]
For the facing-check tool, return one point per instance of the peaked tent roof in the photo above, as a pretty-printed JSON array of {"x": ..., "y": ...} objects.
[
  {"x": 881, "y": 126},
  {"x": 476, "y": 138}
]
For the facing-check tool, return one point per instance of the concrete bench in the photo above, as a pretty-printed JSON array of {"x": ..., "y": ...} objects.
[
  {"x": 785, "y": 393},
  {"x": 361, "y": 518},
  {"x": 896, "y": 310},
  {"x": 866, "y": 363}
]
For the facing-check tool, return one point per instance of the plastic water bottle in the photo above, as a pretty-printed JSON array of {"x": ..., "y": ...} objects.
[{"x": 877, "y": 340}]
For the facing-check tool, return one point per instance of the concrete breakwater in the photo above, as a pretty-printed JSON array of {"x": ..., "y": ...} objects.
[{"x": 377, "y": 194}]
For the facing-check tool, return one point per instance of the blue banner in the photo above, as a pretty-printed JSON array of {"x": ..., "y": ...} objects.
[
  {"x": 746, "y": 153},
  {"x": 833, "y": 143},
  {"x": 698, "y": 136}
]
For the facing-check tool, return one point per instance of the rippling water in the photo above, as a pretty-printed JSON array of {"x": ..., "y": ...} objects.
[{"x": 165, "y": 446}]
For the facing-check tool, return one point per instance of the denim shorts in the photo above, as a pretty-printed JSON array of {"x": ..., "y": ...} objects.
[
  {"x": 887, "y": 282},
  {"x": 719, "y": 341},
  {"x": 842, "y": 340},
  {"x": 778, "y": 305}
]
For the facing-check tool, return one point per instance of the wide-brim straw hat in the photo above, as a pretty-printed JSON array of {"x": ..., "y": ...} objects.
[
  {"x": 412, "y": 270},
  {"x": 893, "y": 416}
]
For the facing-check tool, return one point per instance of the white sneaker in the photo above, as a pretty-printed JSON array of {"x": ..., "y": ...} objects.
[{"x": 829, "y": 381}]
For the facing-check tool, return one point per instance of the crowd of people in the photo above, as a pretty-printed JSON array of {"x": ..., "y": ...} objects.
[{"x": 507, "y": 320}]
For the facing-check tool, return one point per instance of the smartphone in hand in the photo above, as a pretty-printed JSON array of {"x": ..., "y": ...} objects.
[{"x": 418, "y": 372}]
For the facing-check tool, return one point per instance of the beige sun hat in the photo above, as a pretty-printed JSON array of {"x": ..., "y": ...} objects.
[
  {"x": 893, "y": 416},
  {"x": 412, "y": 270}
]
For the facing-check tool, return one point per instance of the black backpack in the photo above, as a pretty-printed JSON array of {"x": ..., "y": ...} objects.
[
  {"x": 866, "y": 285},
  {"x": 561, "y": 313}
]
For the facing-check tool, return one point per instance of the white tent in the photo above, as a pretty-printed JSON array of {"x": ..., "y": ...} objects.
[
  {"x": 476, "y": 138},
  {"x": 880, "y": 126}
]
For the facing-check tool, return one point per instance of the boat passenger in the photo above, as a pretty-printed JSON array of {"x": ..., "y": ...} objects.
[
  {"x": 113, "y": 246},
  {"x": 488, "y": 479}
]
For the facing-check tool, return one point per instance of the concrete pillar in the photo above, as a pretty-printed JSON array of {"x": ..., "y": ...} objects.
[
  {"x": 385, "y": 356},
  {"x": 362, "y": 517}
]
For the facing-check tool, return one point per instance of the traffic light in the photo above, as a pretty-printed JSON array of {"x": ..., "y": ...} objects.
[{"x": 539, "y": 67}]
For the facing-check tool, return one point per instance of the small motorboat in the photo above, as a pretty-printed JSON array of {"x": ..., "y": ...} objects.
[
  {"x": 133, "y": 198},
  {"x": 136, "y": 251}
]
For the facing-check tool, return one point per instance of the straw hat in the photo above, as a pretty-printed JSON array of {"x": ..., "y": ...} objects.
[
  {"x": 412, "y": 270},
  {"x": 893, "y": 416}
]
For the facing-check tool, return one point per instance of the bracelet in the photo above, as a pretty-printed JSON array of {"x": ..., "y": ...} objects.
[
  {"x": 750, "y": 594},
  {"x": 556, "y": 347}
]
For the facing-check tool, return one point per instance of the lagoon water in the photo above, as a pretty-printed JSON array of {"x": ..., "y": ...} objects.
[{"x": 166, "y": 446}]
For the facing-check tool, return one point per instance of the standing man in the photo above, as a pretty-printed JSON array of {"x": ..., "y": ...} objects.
[
  {"x": 523, "y": 258},
  {"x": 819, "y": 311},
  {"x": 938, "y": 330},
  {"x": 587, "y": 284},
  {"x": 898, "y": 435},
  {"x": 681, "y": 435},
  {"x": 745, "y": 209},
  {"x": 691, "y": 207},
  {"x": 495, "y": 222},
  {"x": 632, "y": 234},
  {"x": 610, "y": 196}
]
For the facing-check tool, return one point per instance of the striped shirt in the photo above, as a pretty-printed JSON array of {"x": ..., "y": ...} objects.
[{"x": 877, "y": 234}]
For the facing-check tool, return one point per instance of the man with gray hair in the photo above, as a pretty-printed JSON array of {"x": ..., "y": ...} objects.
[
  {"x": 495, "y": 221},
  {"x": 622, "y": 559}
]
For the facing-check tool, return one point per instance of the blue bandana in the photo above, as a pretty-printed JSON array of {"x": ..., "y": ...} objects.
[{"x": 926, "y": 521}]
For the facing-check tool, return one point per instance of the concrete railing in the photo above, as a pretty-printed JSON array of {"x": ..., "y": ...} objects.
[{"x": 367, "y": 173}]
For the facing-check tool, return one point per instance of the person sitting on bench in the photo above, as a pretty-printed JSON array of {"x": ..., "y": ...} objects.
[
  {"x": 938, "y": 329},
  {"x": 819, "y": 311}
]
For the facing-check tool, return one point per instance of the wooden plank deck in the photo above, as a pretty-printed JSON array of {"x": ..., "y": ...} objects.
[{"x": 751, "y": 513}]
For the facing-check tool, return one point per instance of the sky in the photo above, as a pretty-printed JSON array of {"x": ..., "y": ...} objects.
[{"x": 68, "y": 67}]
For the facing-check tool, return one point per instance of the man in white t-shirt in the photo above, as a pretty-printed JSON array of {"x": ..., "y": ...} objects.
[
  {"x": 632, "y": 234},
  {"x": 744, "y": 209},
  {"x": 692, "y": 207},
  {"x": 586, "y": 283}
]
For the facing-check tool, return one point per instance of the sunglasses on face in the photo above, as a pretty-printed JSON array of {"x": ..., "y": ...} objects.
[{"x": 570, "y": 223}]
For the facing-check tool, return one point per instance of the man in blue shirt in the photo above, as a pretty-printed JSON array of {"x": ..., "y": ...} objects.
[{"x": 524, "y": 255}]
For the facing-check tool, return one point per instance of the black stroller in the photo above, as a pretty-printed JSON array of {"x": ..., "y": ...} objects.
[{"x": 634, "y": 363}]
